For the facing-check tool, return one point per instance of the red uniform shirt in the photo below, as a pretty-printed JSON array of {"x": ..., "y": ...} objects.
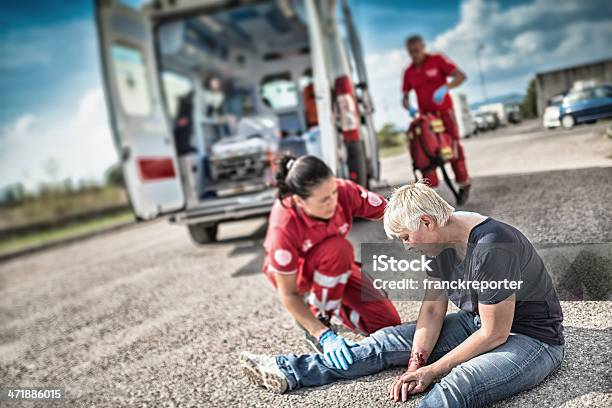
[
  {"x": 291, "y": 233},
  {"x": 427, "y": 78}
]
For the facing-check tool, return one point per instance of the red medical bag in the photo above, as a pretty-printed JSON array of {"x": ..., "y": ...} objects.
[{"x": 430, "y": 145}]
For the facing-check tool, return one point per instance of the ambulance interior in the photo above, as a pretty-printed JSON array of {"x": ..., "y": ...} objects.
[{"x": 246, "y": 72}]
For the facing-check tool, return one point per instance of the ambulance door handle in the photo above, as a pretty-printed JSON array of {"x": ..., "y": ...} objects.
[{"x": 125, "y": 153}]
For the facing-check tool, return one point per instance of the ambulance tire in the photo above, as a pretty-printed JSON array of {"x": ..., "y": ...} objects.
[
  {"x": 202, "y": 234},
  {"x": 357, "y": 162}
]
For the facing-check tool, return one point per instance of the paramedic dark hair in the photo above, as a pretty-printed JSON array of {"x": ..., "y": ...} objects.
[
  {"x": 299, "y": 176},
  {"x": 414, "y": 38}
]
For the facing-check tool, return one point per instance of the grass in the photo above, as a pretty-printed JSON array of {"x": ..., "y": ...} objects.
[
  {"x": 16, "y": 243},
  {"x": 393, "y": 151},
  {"x": 57, "y": 205}
]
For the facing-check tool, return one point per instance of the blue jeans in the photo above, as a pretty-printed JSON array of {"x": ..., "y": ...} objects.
[{"x": 519, "y": 364}]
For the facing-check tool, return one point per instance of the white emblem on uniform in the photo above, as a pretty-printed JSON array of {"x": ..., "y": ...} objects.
[
  {"x": 343, "y": 229},
  {"x": 431, "y": 72},
  {"x": 306, "y": 245},
  {"x": 363, "y": 193},
  {"x": 374, "y": 200},
  {"x": 282, "y": 257}
]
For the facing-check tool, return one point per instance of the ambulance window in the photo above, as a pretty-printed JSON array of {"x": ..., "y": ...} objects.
[
  {"x": 280, "y": 93},
  {"x": 175, "y": 87},
  {"x": 131, "y": 75}
]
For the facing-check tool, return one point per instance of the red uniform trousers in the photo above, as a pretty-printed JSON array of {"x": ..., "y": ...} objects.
[
  {"x": 334, "y": 285},
  {"x": 458, "y": 163}
]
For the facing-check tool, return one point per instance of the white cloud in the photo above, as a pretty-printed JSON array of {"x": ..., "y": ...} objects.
[
  {"x": 385, "y": 75},
  {"x": 24, "y": 123},
  {"x": 540, "y": 35},
  {"x": 81, "y": 142},
  {"x": 518, "y": 42}
]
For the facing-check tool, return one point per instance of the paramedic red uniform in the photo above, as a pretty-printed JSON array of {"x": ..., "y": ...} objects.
[
  {"x": 425, "y": 80},
  {"x": 323, "y": 260}
]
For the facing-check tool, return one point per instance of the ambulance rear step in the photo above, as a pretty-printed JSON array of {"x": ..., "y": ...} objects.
[{"x": 215, "y": 210}]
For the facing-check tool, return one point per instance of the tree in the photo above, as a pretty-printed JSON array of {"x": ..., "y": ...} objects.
[
  {"x": 52, "y": 168},
  {"x": 529, "y": 105},
  {"x": 388, "y": 136},
  {"x": 14, "y": 194},
  {"x": 114, "y": 176}
]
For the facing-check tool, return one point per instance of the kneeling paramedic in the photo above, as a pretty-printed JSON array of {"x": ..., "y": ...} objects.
[{"x": 312, "y": 264}]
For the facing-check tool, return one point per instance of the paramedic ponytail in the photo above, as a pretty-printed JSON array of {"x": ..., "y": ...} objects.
[{"x": 299, "y": 176}]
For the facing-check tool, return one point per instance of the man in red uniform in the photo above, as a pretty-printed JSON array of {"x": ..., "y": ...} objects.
[
  {"x": 308, "y": 256},
  {"x": 427, "y": 75}
]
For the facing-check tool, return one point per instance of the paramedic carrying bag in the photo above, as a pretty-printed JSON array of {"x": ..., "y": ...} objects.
[{"x": 430, "y": 146}]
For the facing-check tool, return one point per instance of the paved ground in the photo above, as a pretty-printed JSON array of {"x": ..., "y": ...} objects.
[{"x": 140, "y": 317}]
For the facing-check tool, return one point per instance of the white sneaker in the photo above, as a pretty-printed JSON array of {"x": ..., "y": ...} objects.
[{"x": 262, "y": 370}]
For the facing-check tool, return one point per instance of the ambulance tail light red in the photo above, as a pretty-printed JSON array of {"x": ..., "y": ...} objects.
[{"x": 156, "y": 168}]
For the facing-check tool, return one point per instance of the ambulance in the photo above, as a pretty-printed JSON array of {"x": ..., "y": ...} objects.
[{"x": 252, "y": 80}]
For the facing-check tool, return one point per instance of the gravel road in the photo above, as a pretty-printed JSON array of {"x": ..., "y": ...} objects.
[{"x": 141, "y": 317}]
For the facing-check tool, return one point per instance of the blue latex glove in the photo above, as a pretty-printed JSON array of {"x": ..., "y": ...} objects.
[
  {"x": 413, "y": 111},
  {"x": 335, "y": 350},
  {"x": 438, "y": 96}
]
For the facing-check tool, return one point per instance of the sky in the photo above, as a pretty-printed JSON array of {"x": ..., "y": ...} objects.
[{"x": 52, "y": 105}]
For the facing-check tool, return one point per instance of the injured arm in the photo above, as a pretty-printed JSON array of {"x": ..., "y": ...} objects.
[
  {"x": 496, "y": 322},
  {"x": 428, "y": 327}
]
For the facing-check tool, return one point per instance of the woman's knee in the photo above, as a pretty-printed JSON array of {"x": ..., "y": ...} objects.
[
  {"x": 395, "y": 338},
  {"x": 454, "y": 390},
  {"x": 389, "y": 317},
  {"x": 443, "y": 394},
  {"x": 332, "y": 254}
]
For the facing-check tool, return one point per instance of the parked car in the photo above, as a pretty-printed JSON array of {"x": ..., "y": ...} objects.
[
  {"x": 551, "y": 118},
  {"x": 491, "y": 120},
  {"x": 480, "y": 123},
  {"x": 586, "y": 106},
  {"x": 513, "y": 111},
  {"x": 498, "y": 109}
]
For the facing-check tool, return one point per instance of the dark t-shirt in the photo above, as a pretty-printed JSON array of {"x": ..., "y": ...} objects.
[{"x": 498, "y": 251}]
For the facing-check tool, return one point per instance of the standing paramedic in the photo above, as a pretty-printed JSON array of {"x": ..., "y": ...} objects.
[
  {"x": 312, "y": 264},
  {"x": 427, "y": 75}
]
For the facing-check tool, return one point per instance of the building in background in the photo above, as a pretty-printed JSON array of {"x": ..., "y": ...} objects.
[{"x": 552, "y": 83}]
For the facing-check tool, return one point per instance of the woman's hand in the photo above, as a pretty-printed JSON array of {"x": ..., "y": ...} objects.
[{"x": 411, "y": 382}]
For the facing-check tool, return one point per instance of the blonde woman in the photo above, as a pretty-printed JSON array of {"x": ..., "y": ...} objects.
[{"x": 501, "y": 342}]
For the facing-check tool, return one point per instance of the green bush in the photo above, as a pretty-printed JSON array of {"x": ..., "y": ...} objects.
[
  {"x": 388, "y": 136},
  {"x": 529, "y": 105}
]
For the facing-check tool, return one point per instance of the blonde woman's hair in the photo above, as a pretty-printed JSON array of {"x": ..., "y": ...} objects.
[{"x": 409, "y": 203}]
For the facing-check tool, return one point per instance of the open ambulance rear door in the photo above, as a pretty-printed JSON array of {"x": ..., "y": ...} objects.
[
  {"x": 142, "y": 134},
  {"x": 370, "y": 138}
]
